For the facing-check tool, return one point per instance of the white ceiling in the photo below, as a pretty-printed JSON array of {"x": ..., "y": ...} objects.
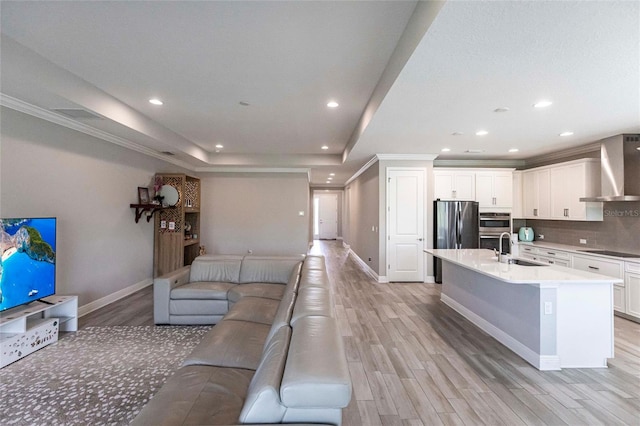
[{"x": 288, "y": 59}]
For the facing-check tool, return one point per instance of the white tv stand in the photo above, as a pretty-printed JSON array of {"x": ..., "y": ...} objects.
[{"x": 27, "y": 328}]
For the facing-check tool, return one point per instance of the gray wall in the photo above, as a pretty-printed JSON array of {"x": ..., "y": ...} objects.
[
  {"x": 362, "y": 201},
  {"x": 255, "y": 211},
  {"x": 88, "y": 184},
  {"x": 618, "y": 231}
]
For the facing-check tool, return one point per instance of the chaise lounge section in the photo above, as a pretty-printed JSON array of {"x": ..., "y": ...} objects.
[{"x": 274, "y": 356}]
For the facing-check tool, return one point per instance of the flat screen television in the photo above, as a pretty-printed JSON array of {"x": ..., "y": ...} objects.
[{"x": 28, "y": 260}]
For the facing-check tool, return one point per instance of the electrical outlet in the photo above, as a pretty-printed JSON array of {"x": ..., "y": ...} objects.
[
  {"x": 583, "y": 241},
  {"x": 541, "y": 236},
  {"x": 250, "y": 251},
  {"x": 163, "y": 224},
  {"x": 369, "y": 259},
  {"x": 548, "y": 308}
]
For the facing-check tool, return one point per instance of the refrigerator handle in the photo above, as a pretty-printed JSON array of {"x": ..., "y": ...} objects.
[{"x": 458, "y": 227}]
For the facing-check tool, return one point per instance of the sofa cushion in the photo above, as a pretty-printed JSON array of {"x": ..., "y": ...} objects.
[
  {"x": 262, "y": 404},
  {"x": 222, "y": 268},
  {"x": 198, "y": 395},
  {"x": 264, "y": 290},
  {"x": 253, "y": 309},
  {"x": 198, "y": 307},
  {"x": 312, "y": 301},
  {"x": 266, "y": 269},
  {"x": 231, "y": 343},
  {"x": 202, "y": 290},
  {"x": 283, "y": 314},
  {"x": 314, "y": 262},
  {"x": 316, "y": 373},
  {"x": 314, "y": 278}
]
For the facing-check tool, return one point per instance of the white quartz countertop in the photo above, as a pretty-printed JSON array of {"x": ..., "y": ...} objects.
[
  {"x": 484, "y": 261},
  {"x": 577, "y": 250}
]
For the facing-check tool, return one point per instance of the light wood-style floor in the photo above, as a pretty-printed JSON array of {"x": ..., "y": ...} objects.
[{"x": 414, "y": 361}]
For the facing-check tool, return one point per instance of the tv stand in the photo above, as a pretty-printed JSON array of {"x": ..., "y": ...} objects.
[{"x": 25, "y": 329}]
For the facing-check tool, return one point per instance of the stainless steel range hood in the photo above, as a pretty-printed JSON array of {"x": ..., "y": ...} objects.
[{"x": 620, "y": 169}]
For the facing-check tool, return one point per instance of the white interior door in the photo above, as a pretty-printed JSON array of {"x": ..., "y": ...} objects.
[
  {"x": 327, "y": 216},
  {"x": 405, "y": 230}
]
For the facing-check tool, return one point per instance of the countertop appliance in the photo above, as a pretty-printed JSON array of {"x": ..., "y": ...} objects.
[
  {"x": 525, "y": 234},
  {"x": 492, "y": 225},
  {"x": 456, "y": 225},
  {"x": 620, "y": 169}
]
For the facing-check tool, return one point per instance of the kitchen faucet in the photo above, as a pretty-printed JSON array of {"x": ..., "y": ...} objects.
[{"x": 500, "y": 245}]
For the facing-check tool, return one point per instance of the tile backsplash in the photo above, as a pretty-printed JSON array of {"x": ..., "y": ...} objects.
[{"x": 619, "y": 231}]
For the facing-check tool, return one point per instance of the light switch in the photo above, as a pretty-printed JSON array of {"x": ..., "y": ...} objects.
[
  {"x": 548, "y": 308},
  {"x": 163, "y": 224},
  {"x": 172, "y": 226}
]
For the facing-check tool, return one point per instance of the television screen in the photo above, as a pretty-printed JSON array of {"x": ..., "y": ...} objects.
[{"x": 28, "y": 260}]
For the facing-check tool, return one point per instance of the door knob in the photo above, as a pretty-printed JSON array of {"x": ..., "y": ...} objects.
[{"x": 419, "y": 239}]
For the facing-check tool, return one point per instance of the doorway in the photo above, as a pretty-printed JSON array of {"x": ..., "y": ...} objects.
[{"x": 325, "y": 216}]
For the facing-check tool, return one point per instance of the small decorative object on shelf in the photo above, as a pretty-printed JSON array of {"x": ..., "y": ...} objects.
[
  {"x": 202, "y": 251},
  {"x": 157, "y": 186},
  {"x": 143, "y": 195}
]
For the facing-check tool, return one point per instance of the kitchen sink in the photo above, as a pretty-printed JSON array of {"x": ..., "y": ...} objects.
[{"x": 523, "y": 262}]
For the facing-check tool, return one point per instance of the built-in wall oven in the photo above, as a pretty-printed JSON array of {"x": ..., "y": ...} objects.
[{"x": 491, "y": 226}]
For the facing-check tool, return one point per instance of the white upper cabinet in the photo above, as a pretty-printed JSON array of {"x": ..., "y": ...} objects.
[
  {"x": 454, "y": 184},
  {"x": 536, "y": 203},
  {"x": 554, "y": 192},
  {"x": 494, "y": 189}
]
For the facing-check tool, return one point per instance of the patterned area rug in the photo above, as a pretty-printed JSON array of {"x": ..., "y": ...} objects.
[{"x": 96, "y": 376}]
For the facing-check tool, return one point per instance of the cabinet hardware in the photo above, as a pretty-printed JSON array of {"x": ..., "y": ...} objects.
[
  {"x": 535, "y": 212},
  {"x": 594, "y": 267}
]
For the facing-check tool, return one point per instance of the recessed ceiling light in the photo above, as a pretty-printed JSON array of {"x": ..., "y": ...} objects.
[
  {"x": 566, "y": 134},
  {"x": 333, "y": 104},
  {"x": 332, "y": 174},
  {"x": 542, "y": 104},
  {"x": 328, "y": 181},
  {"x": 482, "y": 133},
  {"x": 329, "y": 178},
  {"x": 457, "y": 134},
  {"x": 324, "y": 147},
  {"x": 638, "y": 148},
  {"x": 474, "y": 151},
  {"x": 514, "y": 150},
  {"x": 219, "y": 146},
  {"x": 445, "y": 149},
  {"x": 501, "y": 109},
  {"x": 155, "y": 101}
]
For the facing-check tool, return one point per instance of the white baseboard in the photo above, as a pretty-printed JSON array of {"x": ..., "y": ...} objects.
[
  {"x": 383, "y": 279},
  {"x": 345, "y": 245},
  {"x": 430, "y": 279},
  {"x": 541, "y": 362},
  {"x": 104, "y": 301},
  {"x": 364, "y": 265}
]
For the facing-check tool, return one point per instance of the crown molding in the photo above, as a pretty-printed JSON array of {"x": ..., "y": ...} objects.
[
  {"x": 407, "y": 157},
  {"x": 52, "y": 117},
  {"x": 480, "y": 163},
  {"x": 232, "y": 169},
  {"x": 362, "y": 169},
  {"x": 565, "y": 154}
]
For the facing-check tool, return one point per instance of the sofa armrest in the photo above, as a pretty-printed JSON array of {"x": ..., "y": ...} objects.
[{"x": 162, "y": 287}]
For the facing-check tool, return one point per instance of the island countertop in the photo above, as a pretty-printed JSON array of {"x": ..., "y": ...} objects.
[{"x": 484, "y": 262}]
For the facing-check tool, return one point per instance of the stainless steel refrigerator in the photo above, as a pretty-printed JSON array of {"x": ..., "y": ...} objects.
[{"x": 456, "y": 225}]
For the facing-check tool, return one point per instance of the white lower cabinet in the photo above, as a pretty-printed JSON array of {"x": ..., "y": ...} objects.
[{"x": 632, "y": 289}]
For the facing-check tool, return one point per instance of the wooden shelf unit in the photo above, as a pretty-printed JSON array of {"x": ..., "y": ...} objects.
[{"x": 174, "y": 247}]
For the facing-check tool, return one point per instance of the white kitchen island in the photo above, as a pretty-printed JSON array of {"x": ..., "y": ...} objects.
[{"x": 553, "y": 317}]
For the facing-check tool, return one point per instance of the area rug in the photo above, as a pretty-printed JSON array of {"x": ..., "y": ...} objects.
[{"x": 96, "y": 376}]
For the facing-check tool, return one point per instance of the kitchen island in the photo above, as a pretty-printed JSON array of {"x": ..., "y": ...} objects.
[{"x": 551, "y": 316}]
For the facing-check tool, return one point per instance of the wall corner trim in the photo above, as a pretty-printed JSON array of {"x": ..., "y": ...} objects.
[
  {"x": 364, "y": 265},
  {"x": 405, "y": 157}
]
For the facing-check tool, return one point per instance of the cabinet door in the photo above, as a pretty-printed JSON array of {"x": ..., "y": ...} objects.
[
  {"x": 502, "y": 189},
  {"x": 529, "y": 194},
  {"x": 632, "y": 286},
  {"x": 544, "y": 197},
  {"x": 443, "y": 185},
  {"x": 485, "y": 193},
  {"x": 576, "y": 181},
  {"x": 465, "y": 186},
  {"x": 619, "y": 298},
  {"x": 558, "y": 192}
]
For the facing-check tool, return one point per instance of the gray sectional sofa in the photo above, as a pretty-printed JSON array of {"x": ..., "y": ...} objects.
[{"x": 275, "y": 354}]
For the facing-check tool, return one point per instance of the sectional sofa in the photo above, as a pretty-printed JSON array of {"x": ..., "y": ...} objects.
[{"x": 274, "y": 356}]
